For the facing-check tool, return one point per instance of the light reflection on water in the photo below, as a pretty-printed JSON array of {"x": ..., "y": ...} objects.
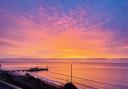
[{"x": 101, "y": 76}]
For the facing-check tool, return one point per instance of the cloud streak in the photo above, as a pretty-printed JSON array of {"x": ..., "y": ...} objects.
[{"x": 50, "y": 32}]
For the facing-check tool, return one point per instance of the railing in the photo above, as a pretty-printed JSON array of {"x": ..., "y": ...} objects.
[
  {"x": 9, "y": 85},
  {"x": 86, "y": 83}
]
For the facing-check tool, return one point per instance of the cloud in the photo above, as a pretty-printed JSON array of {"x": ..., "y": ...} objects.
[{"x": 57, "y": 34}]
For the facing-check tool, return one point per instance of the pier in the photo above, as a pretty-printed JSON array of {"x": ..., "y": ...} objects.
[{"x": 35, "y": 69}]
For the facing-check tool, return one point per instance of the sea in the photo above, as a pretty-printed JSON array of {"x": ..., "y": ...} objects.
[{"x": 85, "y": 73}]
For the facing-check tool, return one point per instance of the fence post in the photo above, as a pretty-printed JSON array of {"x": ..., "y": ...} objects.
[{"x": 71, "y": 73}]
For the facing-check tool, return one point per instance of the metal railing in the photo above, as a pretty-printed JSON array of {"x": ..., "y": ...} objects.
[
  {"x": 88, "y": 83},
  {"x": 9, "y": 85}
]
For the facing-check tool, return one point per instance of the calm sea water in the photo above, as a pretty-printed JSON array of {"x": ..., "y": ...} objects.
[{"x": 100, "y": 74}]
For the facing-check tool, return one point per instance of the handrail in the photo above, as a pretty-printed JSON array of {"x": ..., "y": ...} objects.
[
  {"x": 10, "y": 85},
  {"x": 85, "y": 79}
]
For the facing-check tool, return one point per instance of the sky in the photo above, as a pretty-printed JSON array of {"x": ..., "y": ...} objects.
[{"x": 64, "y": 28}]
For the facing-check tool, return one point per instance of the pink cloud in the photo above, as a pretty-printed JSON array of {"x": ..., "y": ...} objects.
[{"x": 61, "y": 35}]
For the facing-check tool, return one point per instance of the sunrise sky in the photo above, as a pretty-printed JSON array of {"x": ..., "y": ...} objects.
[{"x": 64, "y": 28}]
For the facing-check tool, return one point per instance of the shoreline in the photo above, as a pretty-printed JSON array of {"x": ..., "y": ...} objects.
[{"x": 28, "y": 81}]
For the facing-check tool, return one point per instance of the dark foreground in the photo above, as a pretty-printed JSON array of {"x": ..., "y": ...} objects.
[{"x": 27, "y": 82}]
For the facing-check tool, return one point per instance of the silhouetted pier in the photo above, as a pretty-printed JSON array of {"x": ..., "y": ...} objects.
[{"x": 35, "y": 69}]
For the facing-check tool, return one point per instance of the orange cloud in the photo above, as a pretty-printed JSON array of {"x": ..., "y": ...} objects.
[{"x": 60, "y": 37}]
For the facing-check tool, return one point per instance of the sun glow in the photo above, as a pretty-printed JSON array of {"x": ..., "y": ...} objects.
[{"x": 51, "y": 33}]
